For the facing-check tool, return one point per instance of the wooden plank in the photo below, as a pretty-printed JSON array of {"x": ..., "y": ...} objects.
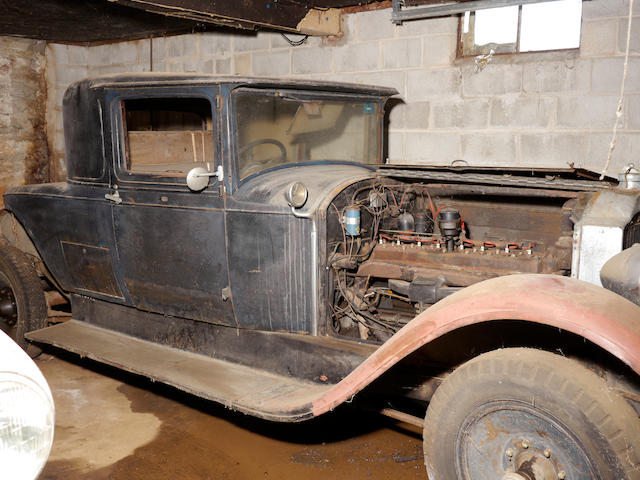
[{"x": 177, "y": 151}]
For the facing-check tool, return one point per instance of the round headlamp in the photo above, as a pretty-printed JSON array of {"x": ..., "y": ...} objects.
[{"x": 27, "y": 416}]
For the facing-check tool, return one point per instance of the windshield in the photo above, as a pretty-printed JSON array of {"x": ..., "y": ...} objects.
[{"x": 276, "y": 128}]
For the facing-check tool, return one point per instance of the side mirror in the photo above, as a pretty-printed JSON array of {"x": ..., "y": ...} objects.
[{"x": 198, "y": 178}]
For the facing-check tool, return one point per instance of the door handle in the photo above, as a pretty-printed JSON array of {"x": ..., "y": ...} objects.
[{"x": 113, "y": 197}]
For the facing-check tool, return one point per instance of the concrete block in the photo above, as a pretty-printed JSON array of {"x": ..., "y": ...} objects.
[
  {"x": 272, "y": 64},
  {"x": 495, "y": 79},
  {"x": 394, "y": 110},
  {"x": 607, "y": 73},
  {"x": 633, "y": 113},
  {"x": 222, "y": 66},
  {"x": 402, "y": 53},
  {"x": 159, "y": 65},
  {"x": 428, "y": 26},
  {"x": 395, "y": 148},
  {"x": 496, "y": 149},
  {"x": 175, "y": 46},
  {"x": 59, "y": 52},
  {"x": 604, "y": 8},
  {"x": 374, "y": 25},
  {"x": 592, "y": 112},
  {"x": 438, "y": 50},
  {"x": 144, "y": 51},
  {"x": 175, "y": 66},
  {"x": 159, "y": 48},
  {"x": 242, "y": 64},
  {"x": 65, "y": 76},
  {"x": 468, "y": 113},
  {"x": 516, "y": 111},
  {"x": 245, "y": 41},
  {"x": 571, "y": 75},
  {"x": 626, "y": 151},
  {"x": 78, "y": 55},
  {"x": 416, "y": 116},
  {"x": 394, "y": 79},
  {"x": 113, "y": 53},
  {"x": 431, "y": 148},
  {"x": 214, "y": 44},
  {"x": 553, "y": 149},
  {"x": 195, "y": 65},
  {"x": 433, "y": 84},
  {"x": 357, "y": 57},
  {"x": 635, "y": 35},
  {"x": 599, "y": 37},
  {"x": 311, "y": 60}
]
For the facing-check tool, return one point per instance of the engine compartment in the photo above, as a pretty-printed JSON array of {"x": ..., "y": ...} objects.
[{"x": 396, "y": 247}]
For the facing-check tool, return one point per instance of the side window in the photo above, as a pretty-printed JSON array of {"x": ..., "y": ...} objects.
[{"x": 167, "y": 136}]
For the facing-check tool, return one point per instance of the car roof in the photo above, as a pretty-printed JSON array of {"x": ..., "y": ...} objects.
[{"x": 129, "y": 80}]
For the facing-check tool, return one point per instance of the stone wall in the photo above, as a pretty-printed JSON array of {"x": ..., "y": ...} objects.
[
  {"x": 23, "y": 143},
  {"x": 536, "y": 109}
]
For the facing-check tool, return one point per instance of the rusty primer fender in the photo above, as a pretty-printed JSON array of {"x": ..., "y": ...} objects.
[{"x": 601, "y": 316}]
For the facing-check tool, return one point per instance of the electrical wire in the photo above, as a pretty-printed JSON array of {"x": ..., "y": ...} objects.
[
  {"x": 295, "y": 43},
  {"x": 612, "y": 145}
]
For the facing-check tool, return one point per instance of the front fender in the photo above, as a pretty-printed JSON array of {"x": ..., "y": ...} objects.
[{"x": 590, "y": 311}]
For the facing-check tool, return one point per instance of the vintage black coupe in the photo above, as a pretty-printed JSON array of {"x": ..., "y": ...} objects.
[{"x": 242, "y": 239}]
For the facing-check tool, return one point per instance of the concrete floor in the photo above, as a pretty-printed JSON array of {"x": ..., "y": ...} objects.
[{"x": 112, "y": 425}]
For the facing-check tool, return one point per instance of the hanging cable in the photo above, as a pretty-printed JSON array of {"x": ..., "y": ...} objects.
[
  {"x": 295, "y": 43},
  {"x": 612, "y": 145}
]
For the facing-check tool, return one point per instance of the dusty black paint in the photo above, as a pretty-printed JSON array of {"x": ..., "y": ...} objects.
[{"x": 319, "y": 359}]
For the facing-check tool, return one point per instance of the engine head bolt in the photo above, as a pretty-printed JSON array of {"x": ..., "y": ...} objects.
[
  {"x": 525, "y": 444},
  {"x": 562, "y": 474},
  {"x": 547, "y": 452},
  {"x": 509, "y": 452}
]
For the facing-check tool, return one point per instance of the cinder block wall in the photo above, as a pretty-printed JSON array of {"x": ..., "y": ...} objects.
[
  {"x": 542, "y": 109},
  {"x": 23, "y": 143}
]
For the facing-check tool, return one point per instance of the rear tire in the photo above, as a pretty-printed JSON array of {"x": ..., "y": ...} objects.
[
  {"x": 522, "y": 413},
  {"x": 22, "y": 304}
]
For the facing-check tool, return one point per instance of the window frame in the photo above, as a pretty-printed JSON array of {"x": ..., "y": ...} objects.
[
  {"x": 460, "y": 46},
  {"x": 120, "y": 171}
]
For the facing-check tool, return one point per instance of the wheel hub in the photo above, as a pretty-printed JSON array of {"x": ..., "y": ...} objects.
[
  {"x": 523, "y": 442},
  {"x": 8, "y": 310}
]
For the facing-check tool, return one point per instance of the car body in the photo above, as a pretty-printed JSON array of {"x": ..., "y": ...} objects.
[{"x": 242, "y": 239}]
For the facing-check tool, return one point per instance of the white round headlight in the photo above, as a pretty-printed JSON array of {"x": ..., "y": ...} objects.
[
  {"x": 26, "y": 426},
  {"x": 26, "y": 414}
]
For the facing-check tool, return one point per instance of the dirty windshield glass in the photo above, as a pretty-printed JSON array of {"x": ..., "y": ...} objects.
[{"x": 277, "y": 128}]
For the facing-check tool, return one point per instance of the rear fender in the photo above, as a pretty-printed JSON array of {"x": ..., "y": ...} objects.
[{"x": 590, "y": 311}]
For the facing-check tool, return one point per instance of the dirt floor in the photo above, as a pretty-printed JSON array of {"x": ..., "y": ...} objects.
[{"x": 111, "y": 425}]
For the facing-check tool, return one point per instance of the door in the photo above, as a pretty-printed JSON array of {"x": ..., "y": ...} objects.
[{"x": 170, "y": 241}]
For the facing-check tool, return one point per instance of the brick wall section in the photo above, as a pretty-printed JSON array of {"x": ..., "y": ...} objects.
[
  {"x": 23, "y": 146},
  {"x": 542, "y": 109}
]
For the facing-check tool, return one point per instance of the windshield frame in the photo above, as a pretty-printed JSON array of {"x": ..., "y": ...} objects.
[{"x": 303, "y": 95}]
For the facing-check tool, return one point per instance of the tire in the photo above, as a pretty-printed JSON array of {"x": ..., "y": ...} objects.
[
  {"x": 520, "y": 414},
  {"x": 22, "y": 303}
]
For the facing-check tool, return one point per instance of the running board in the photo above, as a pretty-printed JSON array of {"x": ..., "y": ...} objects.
[{"x": 238, "y": 387}]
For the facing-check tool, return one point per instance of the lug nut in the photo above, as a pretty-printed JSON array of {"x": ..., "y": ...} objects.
[
  {"x": 562, "y": 474},
  {"x": 510, "y": 452},
  {"x": 525, "y": 444},
  {"x": 547, "y": 452}
]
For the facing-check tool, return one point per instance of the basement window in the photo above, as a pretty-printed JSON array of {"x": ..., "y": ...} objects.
[{"x": 535, "y": 27}]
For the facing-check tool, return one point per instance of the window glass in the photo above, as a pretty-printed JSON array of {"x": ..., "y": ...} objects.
[
  {"x": 167, "y": 136},
  {"x": 278, "y": 128},
  {"x": 553, "y": 25}
]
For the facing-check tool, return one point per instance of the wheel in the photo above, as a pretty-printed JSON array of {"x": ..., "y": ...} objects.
[
  {"x": 524, "y": 414},
  {"x": 22, "y": 304}
]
